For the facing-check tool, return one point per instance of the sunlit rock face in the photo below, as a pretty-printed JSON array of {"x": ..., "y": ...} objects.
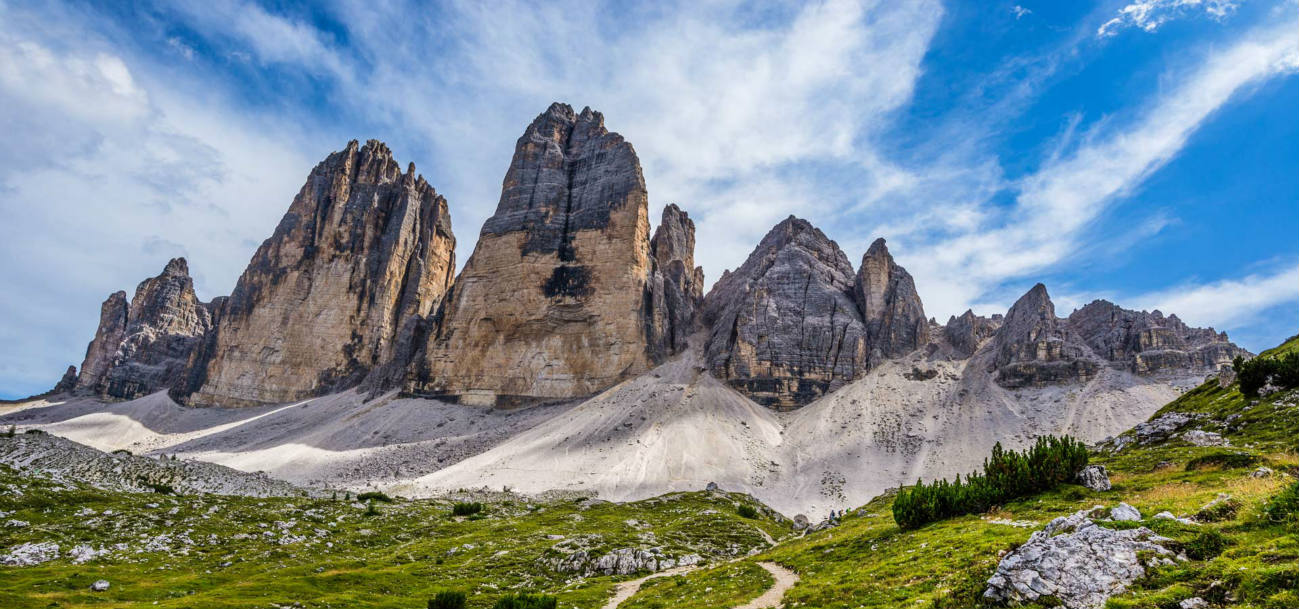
[
  {"x": 363, "y": 250},
  {"x": 560, "y": 298}
]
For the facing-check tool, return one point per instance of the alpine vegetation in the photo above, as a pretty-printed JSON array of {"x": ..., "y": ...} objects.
[{"x": 1006, "y": 475}]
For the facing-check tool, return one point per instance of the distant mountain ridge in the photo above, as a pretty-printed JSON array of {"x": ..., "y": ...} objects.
[{"x": 566, "y": 295}]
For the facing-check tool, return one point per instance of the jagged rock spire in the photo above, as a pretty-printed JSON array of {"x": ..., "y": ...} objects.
[{"x": 891, "y": 308}]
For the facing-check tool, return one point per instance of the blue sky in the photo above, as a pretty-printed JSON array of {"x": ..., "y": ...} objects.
[{"x": 1144, "y": 151}]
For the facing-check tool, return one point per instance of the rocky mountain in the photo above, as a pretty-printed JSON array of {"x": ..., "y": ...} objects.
[
  {"x": 785, "y": 329},
  {"x": 146, "y": 345},
  {"x": 1034, "y": 347},
  {"x": 967, "y": 332},
  {"x": 562, "y": 296},
  {"x": 364, "y": 251},
  {"x": 1148, "y": 342},
  {"x": 676, "y": 288}
]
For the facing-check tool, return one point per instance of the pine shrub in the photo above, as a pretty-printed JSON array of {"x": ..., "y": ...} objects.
[
  {"x": 447, "y": 599},
  {"x": 746, "y": 511},
  {"x": 466, "y": 508},
  {"x": 374, "y": 496},
  {"x": 526, "y": 601},
  {"x": 1282, "y": 371},
  {"x": 1284, "y": 507},
  {"x": 1006, "y": 475}
]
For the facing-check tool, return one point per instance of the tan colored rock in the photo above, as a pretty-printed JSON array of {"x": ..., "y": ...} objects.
[
  {"x": 891, "y": 309},
  {"x": 554, "y": 302},
  {"x": 363, "y": 249}
]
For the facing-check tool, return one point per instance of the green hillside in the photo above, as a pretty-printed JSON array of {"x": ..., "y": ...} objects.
[{"x": 210, "y": 551}]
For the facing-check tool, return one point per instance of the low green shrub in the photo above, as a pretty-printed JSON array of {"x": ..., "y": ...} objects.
[
  {"x": 1206, "y": 545},
  {"x": 466, "y": 508},
  {"x": 374, "y": 496},
  {"x": 1225, "y": 460},
  {"x": 526, "y": 601},
  {"x": 447, "y": 599},
  {"x": 161, "y": 489},
  {"x": 1284, "y": 507},
  {"x": 746, "y": 511},
  {"x": 1223, "y": 509},
  {"x": 1006, "y": 475}
]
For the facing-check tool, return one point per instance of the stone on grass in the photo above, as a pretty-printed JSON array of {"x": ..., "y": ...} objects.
[
  {"x": 1076, "y": 562},
  {"x": 1125, "y": 513},
  {"x": 100, "y": 585},
  {"x": 1095, "y": 478},
  {"x": 1204, "y": 438},
  {"x": 28, "y": 554},
  {"x": 1194, "y": 602}
]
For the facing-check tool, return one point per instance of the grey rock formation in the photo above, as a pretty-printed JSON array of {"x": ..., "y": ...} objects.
[
  {"x": 891, "y": 310},
  {"x": 362, "y": 250},
  {"x": 100, "y": 585},
  {"x": 966, "y": 333},
  {"x": 784, "y": 327},
  {"x": 1204, "y": 438},
  {"x": 1125, "y": 513},
  {"x": 676, "y": 288},
  {"x": 1035, "y": 348},
  {"x": 1095, "y": 478},
  {"x": 560, "y": 298},
  {"x": 1077, "y": 563},
  {"x": 68, "y": 383},
  {"x": 146, "y": 346},
  {"x": 1148, "y": 342}
]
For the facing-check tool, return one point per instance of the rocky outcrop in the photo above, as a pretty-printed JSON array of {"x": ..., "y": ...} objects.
[
  {"x": 966, "y": 333},
  {"x": 1035, "y": 348},
  {"x": 68, "y": 383},
  {"x": 785, "y": 328},
  {"x": 1148, "y": 342},
  {"x": 890, "y": 307},
  {"x": 1074, "y": 562},
  {"x": 676, "y": 289},
  {"x": 362, "y": 249},
  {"x": 146, "y": 345},
  {"x": 560, "y": 298}
]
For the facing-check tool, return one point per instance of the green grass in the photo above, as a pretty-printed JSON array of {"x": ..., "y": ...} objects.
[
  {"x": 723, "y": 586},
  {"x": 400, "y": 557}
]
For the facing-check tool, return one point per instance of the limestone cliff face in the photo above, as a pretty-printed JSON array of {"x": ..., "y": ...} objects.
[
  {"x": 1147, "y": 343},
  {"x": 1035, "y": 348},
  {"x": 146, "y": 345},
  {"x": 676, "y": 288},
  {"x": 363, "y": 249},
  {"x": 558, "y": 298},
  {"x": 785, "y": 328},
  {"x": 966, "y": 333},
  {"x": 890, "y": 307}
]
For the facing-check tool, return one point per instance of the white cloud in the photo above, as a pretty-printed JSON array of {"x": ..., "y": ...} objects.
[
  {"x": 1020, "y": 12},
  {"x": 1149, "y": 15},
  {"x": 1226, "y": 302}
]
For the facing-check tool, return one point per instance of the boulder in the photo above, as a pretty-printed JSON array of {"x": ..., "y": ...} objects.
[
  {"x": 801, "y": 522},
  {"x": 1125, "y": 513},
  {"x": 1204, "y": 438},
  {"x": 100, "y": 585},
  {"x": 1095, "y": 478},
  {"x": 1194, "y": 602},
  {"x": 561, "y": 297},
  {"x": 1077, "y": 563},
  {"x": 890, "y": 307},
  {"x": 30, "y": 554},
  {"x": 1262, "y": 472},
  {"x": 363, "y": 252},
  {"x": 784, "y": 327}
]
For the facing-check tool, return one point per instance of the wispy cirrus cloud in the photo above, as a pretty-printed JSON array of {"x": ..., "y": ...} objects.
[{"x": 1149, "y": 15}]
